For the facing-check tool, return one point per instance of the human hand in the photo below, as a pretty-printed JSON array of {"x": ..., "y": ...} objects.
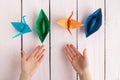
[
  {"x": 78, "y": 61},
  {"x": 30, "y": 64}
]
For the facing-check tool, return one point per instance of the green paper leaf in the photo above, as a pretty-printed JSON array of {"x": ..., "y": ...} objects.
[{"x": 42, "y": 26}]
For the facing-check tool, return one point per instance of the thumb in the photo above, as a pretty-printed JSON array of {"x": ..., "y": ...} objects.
[
  {"x": 23, "y": 55},
  {"x": 85, "y": 53}
]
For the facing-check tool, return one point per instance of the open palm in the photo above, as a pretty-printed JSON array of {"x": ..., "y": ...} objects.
[
  {"x": 29, "y": 65},
  {"x": 78, "y": 61}
]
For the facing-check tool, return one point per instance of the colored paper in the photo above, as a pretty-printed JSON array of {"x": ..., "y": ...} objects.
[
  {"x": 69, "y": 23},
  {"x": 21, "y": 27},
  {"x": 42, "y": 26},
  {"x": 93, "y": 22}
]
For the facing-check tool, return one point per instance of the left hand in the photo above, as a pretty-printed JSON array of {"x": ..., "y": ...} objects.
[{"x": 30, "y": 65}]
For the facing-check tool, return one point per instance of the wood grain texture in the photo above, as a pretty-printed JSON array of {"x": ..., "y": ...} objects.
[
  {"x": 112, "y": 40},
  {"x": 9, "y": 47},
  {"x": 61, "y": 68},
  {"x": 95, "y": 42},
  {"x": 31, "y": 9}
]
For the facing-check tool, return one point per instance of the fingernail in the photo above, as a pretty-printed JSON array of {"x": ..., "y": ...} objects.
[
  {"x": 71, "y": 45},
  {"x": 38, "y": 46},
  {"x": 85, "y": 49},
  {"x": 67, "y": 44},
  {"x": 43, "y": 47}
]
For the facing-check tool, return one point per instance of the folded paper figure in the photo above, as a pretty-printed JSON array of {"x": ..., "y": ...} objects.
[
  {"x": 42, "y": 26},
  {"x": 93, "y": 22},
  {"x": 69, "y": 23},
  {"x": 21, "y": 27}
]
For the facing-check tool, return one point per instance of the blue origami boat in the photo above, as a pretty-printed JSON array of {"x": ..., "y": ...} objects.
[{"x": 93, "y": 22}]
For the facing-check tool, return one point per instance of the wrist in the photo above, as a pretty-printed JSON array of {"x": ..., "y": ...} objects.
[
  {"x": 85, "y": 74},
  {"x": 81, "y": 72},
  {"x": 86, "y": 70},
  {"x": 25, "y": 76}
]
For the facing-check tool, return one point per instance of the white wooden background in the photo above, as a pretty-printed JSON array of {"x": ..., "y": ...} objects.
[{"x": 103, "y": 46}]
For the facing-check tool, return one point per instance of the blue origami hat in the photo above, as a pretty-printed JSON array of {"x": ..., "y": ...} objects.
[{"x": 93, "y": 22}]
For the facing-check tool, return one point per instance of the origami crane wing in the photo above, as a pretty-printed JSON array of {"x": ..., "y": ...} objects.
[
  {"x": 21, "y": 27},
  {"x": 74, "y": 24},
  {"x": 18, "y": 26},
  {"x": 93, "y": 22},
  {"x": 42, "y": 26}
]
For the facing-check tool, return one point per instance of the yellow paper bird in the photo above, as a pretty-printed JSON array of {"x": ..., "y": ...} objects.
[{"x": 69, "y": 23}]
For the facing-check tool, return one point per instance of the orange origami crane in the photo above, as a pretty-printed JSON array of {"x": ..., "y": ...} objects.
[{"x": 69, "y": 23}]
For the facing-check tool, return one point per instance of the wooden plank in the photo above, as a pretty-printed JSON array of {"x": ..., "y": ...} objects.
[
  {"x": 9, "y": 47},
  {"x": 113, "y": 40},
  {"x": 94, "y": 43},
  {"x": 31, "y": 9},
  {"x": 61, "y": 68}
]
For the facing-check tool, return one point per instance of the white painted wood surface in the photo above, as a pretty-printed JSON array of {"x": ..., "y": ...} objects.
[
  {"x": 113, "y": 40},
  {"x": 9, "y": 47},
  {"x": 61, "y": 69}
]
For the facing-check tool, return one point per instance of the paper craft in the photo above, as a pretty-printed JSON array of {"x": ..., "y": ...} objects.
[
  {"x": 69, "y": 23},
  {"x": 42, "y": 26},
  {"x": 21, "y": 27},
  {"x": 93, "y": 22}
]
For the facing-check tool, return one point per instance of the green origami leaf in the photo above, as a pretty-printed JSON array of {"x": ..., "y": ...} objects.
[{"x": 42, "y": 26}]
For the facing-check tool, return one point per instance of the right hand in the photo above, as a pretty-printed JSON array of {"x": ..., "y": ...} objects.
[{"x": 78, "y": 61}]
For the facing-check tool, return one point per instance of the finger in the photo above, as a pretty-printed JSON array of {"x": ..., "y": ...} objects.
[
  {"x": 39, "y": 52},
  {"x": 75, "y": 50},
  {"x": 85, "y": 53},
  {"x": 23, "y": 55},
  {"x": 40, "y": 59},
  {"x": 68, "y": 57},
  {"x": 68, "y": 52},
  {"x": 34, "y": 52},
  {"x": 71, "y": 51},
  {"x": 39, "y": 56}
]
